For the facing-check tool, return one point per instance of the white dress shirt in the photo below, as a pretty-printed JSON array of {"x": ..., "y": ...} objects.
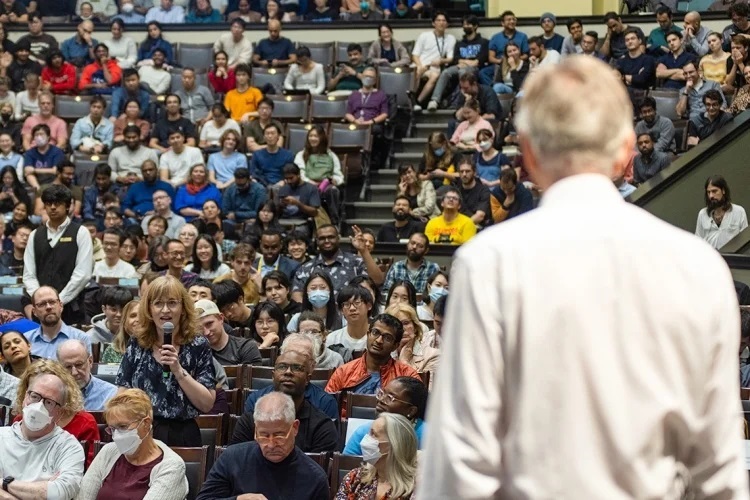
[
  {"x": 83, "y": 268},
  {"x": 590, "y": 352},
  {"x": 717, "y": 236}
]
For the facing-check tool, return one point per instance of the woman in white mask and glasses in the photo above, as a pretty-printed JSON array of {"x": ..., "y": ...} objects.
[
  {"x": 389, "y": 470},
  {"x": 134, "y": 465}
]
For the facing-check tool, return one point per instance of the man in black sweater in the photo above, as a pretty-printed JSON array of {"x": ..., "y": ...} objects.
[
  {"x": 271, "y": 465},
  {"x": 315, "y": 431},
  {"x": 403, "y": 225}
]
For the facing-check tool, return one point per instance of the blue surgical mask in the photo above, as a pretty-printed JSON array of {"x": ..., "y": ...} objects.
[
  {"x": 436, "y": 292},
  {"x": 439, "y": 151},
  {"x": 319, "y": 298}
]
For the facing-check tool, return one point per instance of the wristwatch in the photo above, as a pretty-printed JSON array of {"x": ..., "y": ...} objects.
[{"x": 6, "y": 482}]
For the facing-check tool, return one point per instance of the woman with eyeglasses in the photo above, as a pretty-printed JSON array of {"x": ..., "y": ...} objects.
[
  {"x": 134, "y": 465},
  {"x": 267, "y": 326},
  {"x": 389, "y": 453},
  {"x": 171, "y": 362},
  {"x": 403, "y": 396}
]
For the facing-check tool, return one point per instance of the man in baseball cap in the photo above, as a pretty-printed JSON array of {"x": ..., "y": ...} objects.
[{"x": 227, "y": 349}]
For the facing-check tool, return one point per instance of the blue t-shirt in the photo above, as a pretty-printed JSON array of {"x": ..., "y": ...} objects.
[
  {"x": 672, "y": 62},
  {"x": 490, "y": 170},
  {"x": 267, "y": 168},
  {"x": 268, "y": 49},
  {"x": 370, "y": 385},
  {"x": 224, "y": 166},
  {"x": 500, "y": 40},
  {"x": 353, "y": 445},
  {"x": 52, "y": 158}
]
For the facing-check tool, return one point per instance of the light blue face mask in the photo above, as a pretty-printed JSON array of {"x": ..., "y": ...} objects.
[
  {"x": 364, "y": 5},
  {"x": 436, "y": 292},
  {"x": 319, "y": 298},
  {"x": 439, "y": 151}
]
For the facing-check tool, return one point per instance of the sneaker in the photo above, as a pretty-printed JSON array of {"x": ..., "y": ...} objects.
[
  {"x": 432, "y": 106},
  {"x": 417, "y": 108}
]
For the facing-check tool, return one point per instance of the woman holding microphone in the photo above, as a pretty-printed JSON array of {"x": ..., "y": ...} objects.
[{"x": 169, "y": 361}]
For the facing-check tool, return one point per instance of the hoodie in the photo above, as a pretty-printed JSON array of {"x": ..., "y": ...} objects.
[{"x": 100, "y": 333}]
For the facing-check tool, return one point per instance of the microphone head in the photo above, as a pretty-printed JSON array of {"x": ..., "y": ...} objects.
[{"x": 168, "y": 328}]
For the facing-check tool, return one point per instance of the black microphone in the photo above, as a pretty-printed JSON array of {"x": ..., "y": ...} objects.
[{"x": 168, "y": 330}]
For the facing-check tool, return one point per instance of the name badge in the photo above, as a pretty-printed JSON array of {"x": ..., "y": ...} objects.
[{"x": 66, "y": 239}]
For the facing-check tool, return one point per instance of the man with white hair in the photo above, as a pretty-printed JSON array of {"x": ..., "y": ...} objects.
[
  {"x": 649, "y": 395},
  {"x": 271, "y": 466},
  {"x": 75, "y": 358},
  {"x": 38, "y": 459}
]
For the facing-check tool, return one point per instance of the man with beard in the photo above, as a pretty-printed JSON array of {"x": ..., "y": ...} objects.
[
  {"x": 66, "y": 172},
  {"x": 705, "y": 124},
  {"x": 244, "y": 274},
  {"x": 75, "y": 358},
  {"x": 341, "y": 266},
  {"x": 691, "y": 96},
  {"x": 291, "y": 375},
  {"x": 127, "y": 161},
  {"x": 60, "y": 255},
  {"x": 376, "y": 367},
  {"x": 648, "y": 162},
  {"x": 271, "y": 258},
  {"x": 415, "y": 268},
  {"x": 53, "y": 331},
  {"x": 226, "y": 349},
  {"x": 403, "y": 226},
  {"x": 511, "y": 198},
  {"x": 475, "y": 195},
  {"x": 721, "y": 220},
  {"x": 572, "y": 43},
  {"x": 660, "y": 127},
  {"x": 242, "y": 200}
]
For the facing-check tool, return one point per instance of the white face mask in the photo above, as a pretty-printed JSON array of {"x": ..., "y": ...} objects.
[
  {"x": 127, "y": 8},
  {"x": 485, "y": 145},
  {"x": 370, "y": 449},
  {"x": 36, "y": 417},
  {"x": 127, "y": 441}
]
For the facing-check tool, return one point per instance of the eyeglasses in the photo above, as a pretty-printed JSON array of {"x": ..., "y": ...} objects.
[
  {"x": 352, "y": 303},
  {"x": 276, "y": 439},
  {"x": 451, "y": 198},
  {"x": 314, "y": 332},
  {"x": 387, "y": 337},
  {"x": 50, "y": 404},
  {"x": 386, "y": 398},
  {"x": 266, "y": 322},
  {"x": 177, "y": 255},
  {"x": 77, "y": 366},
  {"x": 283, "y": 367},
  {"x": 46, "y": 303},
  {"x": 171, "y": 304},
  {"x": 122, "y": 428}
]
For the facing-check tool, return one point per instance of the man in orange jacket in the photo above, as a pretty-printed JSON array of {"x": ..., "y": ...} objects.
[
  {"x": 102, "y": 75},
  {"x": 376, "y": 368}
]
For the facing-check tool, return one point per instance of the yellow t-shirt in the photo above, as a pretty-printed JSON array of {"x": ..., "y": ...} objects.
[
  {"x": 240, "y": 103},
  {"x": 458, "y": 231}
]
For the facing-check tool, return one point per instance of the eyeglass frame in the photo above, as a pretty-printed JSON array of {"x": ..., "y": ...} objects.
[
  {"x": 32, "y": 395},
  {"x": 274, "y": 440},
  {"x": 380, "y": 394},
  {"x": 376, "y": 334}
]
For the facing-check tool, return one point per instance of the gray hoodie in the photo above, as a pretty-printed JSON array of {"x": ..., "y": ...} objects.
[{"x": 100, "y": 333}]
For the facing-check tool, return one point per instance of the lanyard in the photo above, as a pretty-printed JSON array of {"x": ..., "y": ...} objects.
[
  {"x": 365, "y": 98},
  {"x": 440, "y": 47}
]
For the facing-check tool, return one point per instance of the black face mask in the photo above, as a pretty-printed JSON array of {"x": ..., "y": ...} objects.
[
  {"x": 468, "y": 31},
  {"x": 5, "y": 117}
]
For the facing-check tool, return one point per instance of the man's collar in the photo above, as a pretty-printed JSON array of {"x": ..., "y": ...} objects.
[{"x": 61, "y": 226}]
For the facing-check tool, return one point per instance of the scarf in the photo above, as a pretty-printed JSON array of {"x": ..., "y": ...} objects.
[{"x": 194, "y": 189}]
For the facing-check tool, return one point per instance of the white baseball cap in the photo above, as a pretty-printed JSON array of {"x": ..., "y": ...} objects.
[{"x": 205, "y": 307}]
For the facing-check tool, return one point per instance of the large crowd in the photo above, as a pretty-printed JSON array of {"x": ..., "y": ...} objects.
[{"x": 204, "y": 242}]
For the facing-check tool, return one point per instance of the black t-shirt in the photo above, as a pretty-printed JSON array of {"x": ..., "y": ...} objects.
[
  {"x": 389, "y": 233},
  {"x": 17, "y": 72},
  {"x": 739, "y": 78},
  {"x": 476, "y": 198},
  {"x": 164, "y": 127}
]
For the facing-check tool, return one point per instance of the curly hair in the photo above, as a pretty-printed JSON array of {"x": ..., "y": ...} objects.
[
  {"x": 166, "y": 287},
  {"x": 72, "y": 396}
]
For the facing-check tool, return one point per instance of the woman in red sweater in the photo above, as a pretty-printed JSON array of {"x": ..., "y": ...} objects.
[
  {"x": 58, "y": 76},
  {"x": 221, "y": 75}
]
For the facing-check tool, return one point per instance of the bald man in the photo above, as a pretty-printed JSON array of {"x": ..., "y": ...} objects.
[
  {"x": 275, "y": 51},
  {"x": 695, "y": 35}
]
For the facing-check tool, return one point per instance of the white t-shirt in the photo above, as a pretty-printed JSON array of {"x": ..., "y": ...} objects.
[
  {"x": 429, "y": 47},
  {"x": 211, "y": 133},
  {"x": 121, "y": 270},
  {"x": 178, "y": 165},
  {"x": 342, "y": 337}
]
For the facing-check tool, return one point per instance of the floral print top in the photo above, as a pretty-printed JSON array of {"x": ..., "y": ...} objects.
[
  {"x": 352, "y": 488},
  {"x": 139, "y": 369}
]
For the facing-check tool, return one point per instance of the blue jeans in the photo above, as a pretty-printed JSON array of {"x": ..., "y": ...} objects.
[
  {"x": 487, "y": 75},
  {"x": 501, "y": 88}
]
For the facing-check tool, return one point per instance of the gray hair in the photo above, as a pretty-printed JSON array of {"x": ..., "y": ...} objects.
[
  {"x": 274, "y": 407},
  {"x": 72, "y": 342},
  {"x": 303, "y": 338},
  {"x": 576, "y": 117},
  {"x": 401, "y": 462}
]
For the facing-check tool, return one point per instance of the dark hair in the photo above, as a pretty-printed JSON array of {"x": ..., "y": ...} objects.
[
  {"x": 52, "y": 54},
  {"x": 331, "y": 312},
  {"x": 744, "y": 323},
  {"x": 128, "y": 72},
  {"x": 18, "y": 188},
  {"x": 322, "y": 147},
  {"x": 471, "y": 19},
  {"x": 439, "y": 13},
  {"x": 384, "y": 25},
  {"x": 221, "y": 109},
  {"x": 663, "y": 9},
  {"x": 415, "y": 392},
  {"x": 311, "y": 316},
  {"x": 509, "y": 175},
  {"x": 291, "y": 169},
  {"x": 238, "y": 20},
  {"x": 647, "y": 102},
  {"x": 353, "y": 47},
  {"x": 158, "y": 217},
  {"x": 275, "y": 312},
  {"x": 350, "y": 292},
  {"x": 506, "y": 14},
  {"x": 116, "y": 296},
  {"x": 119, "y": 22},
  {"x": 739, "y": 9},
  {"x": 303, "y": 51},
  {"x": 391, "y": 322},
  {"x": 469, "y": 77},
  {"x": 35, "y": 16},
  {"x": 675, "y": 33},
  {"x": 203, "y": 283},
  {"x": 572, "y": 21},
  {"x": 282, "y": 278},
  {"x": 536, "y": 40},
  {"x": 649, "y": 133},
  {"x": 592, "y": 34},
  {"x": 720, "y": 182},
  {"x": 439, "y": 308},
  {"x": 63, "y": 165},
  {"x": 712, "y": 94},
  {"x": 273, "y": 125},
  {"x": 102, "y": 169},
  {"x": 215, "y": 263},
  {"x": 105, "y": 46},
  {"x": 267, "y": 102},
  {"x": 411, "y": 291},
  {"x": 227, "y": 292},
  {"x": 610, "y": 16},
  {"x": 243, "y": 68},
  {"x": 363, "y": 278},
  {"x": 57, "y": 193},
  {"x": 116, "y": 231},
  {"x": 401, "y": 196},
  {"x": 43, "y": 127},
  {"x": 632, "y": 31},
  {"x": 430, "y": 280},
  {"x": 220, "y": 52}
]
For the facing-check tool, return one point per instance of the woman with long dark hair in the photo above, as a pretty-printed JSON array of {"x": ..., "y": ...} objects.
[
  {"x": 20, "y": 218},
  {"x": 121, "y": 47},
  {"x": 221, "y": 76},
  {"x": 153, "y": 41},
  {"x": 267, "y": 219},
  {"x": 318, "y": 296},
  {"x": 267, "y": 325},
  {"x": 12, "y": 191},
  {"x": 320, "y": 166},
  {"x": 439, "y": 162},
  {"x": 436, "y": 287},
  {"x": 206, "y": 263},
  {"x": 420, "y": 192}
]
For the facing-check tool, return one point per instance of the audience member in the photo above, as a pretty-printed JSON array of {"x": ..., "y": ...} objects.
[
  {"x": 741, "y": 99},
  {"x": 213, "y": 130},
  {"x": 223, "y": 163},
  {"x": 404, "y": 224},
  {"x": 93, "y": 133},
  {"x": 670, "y": 65},
  {"x": 221, "y": 76},
  {"x": 474, "y": 194},
  {"x": 510, "y": 198},
  {"x": 27, "y": 101},
  {"x": 134, "y": 464},
  {"x": 278, "y": 468},
  {"x": 660, "y": 127},
  {"x": 386, "y": 51},
  {"x": 58, "y": 76},
  {"x": 106, "y": 325},
  {"x": 202, "y": 12},
  {"x": 131, "y": 89},
  {"x": 36, "y": 445},
  {"x": 438, "y": 164},
  {"x": 614, "y": 45},
  {"x": 74, "y": 357},
  {"x": 166, "y": 13},
  {"x": 176, "y": 163},
  {"x": 78, "y": 50},
  {"x": 45, "y": 339},
  {"x": 41, "y": 43},
  {"x": 243, "y": 100},
  {"x": 267, "y": 164},
  {"x": 636, "y": 68},
  {"x": 705, "y": 124},
  {"x": 415, "y": 268},
  {"x": 122, "y": 48},
  {"x": 243, "y": 199},
  {"x": 355, "y": 304},
  {"x": 721, "y": 220},
  {"x": 696, "y": 35},
  {"x": 735, "y": 64},
  {"x": 738, "y": 13},
  {"x": 155, "y": 77},
  {"x": 572, "y": 42},
  {"x": 648, "y": 162},
  {"x": 191, "y": 196},
  {"x": 239, "y": 50},
  {"x": 691, "y": 96},
  {"x": 451, "y": 227},
  {"x": 255, "y": 130},
  {"x": 540, "y": 55},
  {"x": 305, "y": 74},
  {"x": 227, "y": 349},
  {"x": 275, "y": 51},
  {"x": 195, "y": 100},
  {"x": 432, "y": 50},
  {"x": 243, "y": 274},
  {"x": 20, "y": 66},
  {"x": 58, "y": 130},
  {"x": 657, "y": 43},
  {"x": 497, "y": 45},
  {"x": 206, "y": 263},
  {"x": 112, "y": 266}
]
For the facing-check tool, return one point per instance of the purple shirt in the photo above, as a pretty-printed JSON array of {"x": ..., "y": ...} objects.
[{"x": 367, "y": 106}]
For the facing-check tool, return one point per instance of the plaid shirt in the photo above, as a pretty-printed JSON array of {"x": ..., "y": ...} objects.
[
  {"x": 399, "y": 272},
  {"x": 344, "y": 267}
]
